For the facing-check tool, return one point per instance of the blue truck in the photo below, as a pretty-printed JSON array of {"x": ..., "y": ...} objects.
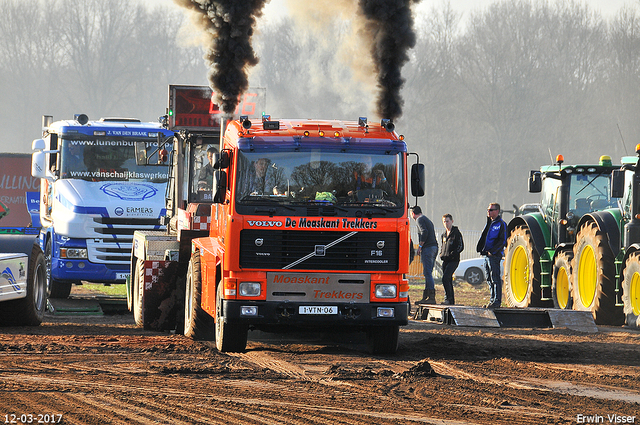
[{"x": 94, "y": 195}]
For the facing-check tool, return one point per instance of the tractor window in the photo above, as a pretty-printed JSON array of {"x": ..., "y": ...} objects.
[
  {"x": 628, "y": 195},
  {"x": 550, "y": 193},
  {"x": 590, "y": 192}
]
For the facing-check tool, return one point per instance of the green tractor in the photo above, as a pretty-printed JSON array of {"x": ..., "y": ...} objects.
[
  {"x": 607, "y": 254},
  {"x": 540, "y": 245}
]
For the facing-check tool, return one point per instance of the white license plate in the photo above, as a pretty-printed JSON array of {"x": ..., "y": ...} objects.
[
  {"x": 318, "y": 309},
  {"x": 122, "y": 276}
]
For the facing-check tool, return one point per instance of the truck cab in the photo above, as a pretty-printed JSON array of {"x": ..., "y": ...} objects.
[{"x": 94, "y": 195}]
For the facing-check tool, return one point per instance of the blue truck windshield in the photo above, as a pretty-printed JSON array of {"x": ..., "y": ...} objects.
[
  {"x": 320, "y": 177},
  {"x": 108, "y": 160}
]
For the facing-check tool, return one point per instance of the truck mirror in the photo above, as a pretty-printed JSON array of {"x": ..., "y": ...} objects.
[
  {"x": 617, "y": 183},
  {"x": 38, "y": 145},
  {"x": 38, "y": 168},
  {"x": 221, "y": 187},
  {"x": 223, "y": 161},
  {"x": 535, "y": 182},
  {"x": 417, "y": 180},
  {"x": 141, "y": 153}
]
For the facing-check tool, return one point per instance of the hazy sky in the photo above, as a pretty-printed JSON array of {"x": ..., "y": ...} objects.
[{"x": 606, "y": 7}]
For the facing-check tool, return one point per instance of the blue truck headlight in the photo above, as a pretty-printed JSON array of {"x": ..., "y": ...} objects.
[
  {"x": 249, "y": 289},
  {"x": 386, "y": 291},
  {"x": 73, "y": 253}
]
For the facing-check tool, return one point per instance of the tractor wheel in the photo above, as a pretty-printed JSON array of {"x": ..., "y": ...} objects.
[
  {"x": 29, "y": 311},
  {"x": 198, "y": 324},
  {"x": 594, "y": 276},
  {"x": 522, "y": 270},
  {"x": 561, "y": 281},
  {"x": 229, "y": 337},
  {"x": 55, "y": 288},
  {"x": 631, "y": 290},
  {"x": 138, "y": 291}
]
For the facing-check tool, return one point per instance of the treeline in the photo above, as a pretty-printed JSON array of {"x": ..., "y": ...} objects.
[
  {"x": 486, "y": 100},
  {"x": 101, "y": 58}
]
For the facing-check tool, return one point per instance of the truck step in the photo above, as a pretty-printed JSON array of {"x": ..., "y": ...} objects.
[{"x": 507, "y": 317}]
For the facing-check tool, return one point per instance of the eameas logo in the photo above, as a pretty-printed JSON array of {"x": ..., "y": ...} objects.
[{"x": 264, "y": 223}]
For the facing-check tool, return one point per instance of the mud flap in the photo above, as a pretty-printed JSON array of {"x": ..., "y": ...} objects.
[{"x": 163, "y": 299}]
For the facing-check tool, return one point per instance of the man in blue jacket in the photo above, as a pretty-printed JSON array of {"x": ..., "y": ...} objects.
[{"x": 491, "y": 246}]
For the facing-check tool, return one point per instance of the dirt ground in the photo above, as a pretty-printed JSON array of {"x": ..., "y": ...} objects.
[{"x": 104, "y": 370}]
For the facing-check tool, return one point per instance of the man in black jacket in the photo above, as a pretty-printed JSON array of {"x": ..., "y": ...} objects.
[{"x": 450, "y": 249}]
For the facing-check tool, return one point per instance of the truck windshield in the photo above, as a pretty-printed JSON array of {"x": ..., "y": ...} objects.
[
  {"x": 321, "y": 177},
  {"x": 108, "y": 160},
  {"x": 590, "y": 192}
]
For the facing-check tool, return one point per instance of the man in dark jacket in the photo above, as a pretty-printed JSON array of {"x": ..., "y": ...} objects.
[
  {"x": 491, "y": 246},
  {"x": 427, "y": 250},
  {"x": 450, "y": 249}
]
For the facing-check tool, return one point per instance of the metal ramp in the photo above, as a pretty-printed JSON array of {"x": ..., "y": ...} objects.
[
  {"x": 87, "y": 306},
  {"x": 506, "y": 317}
]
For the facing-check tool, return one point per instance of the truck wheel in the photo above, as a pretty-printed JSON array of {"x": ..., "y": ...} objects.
[
  {"x": 198, "y": 324},
  {"x": 522, "y": 270},
  {"x": 138, "y": 291},
  {"x": 594, "y": 276},
  {"x": 631, "y": 290},
  {"x": 560, "y": 281},
  {"x": 383, "y": 339},
  {"x": 29, "y": 311},
  {"x": 229, "y": 337},
  {"x": 55, "y": 288}
]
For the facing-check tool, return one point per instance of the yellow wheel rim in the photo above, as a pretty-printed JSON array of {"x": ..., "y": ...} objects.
[
  {"x": 562, "y": 288},
  {"x": 634, "y": 294},
  {"x": 519, "y": 274},
  {"x": 587, "y": 276}
]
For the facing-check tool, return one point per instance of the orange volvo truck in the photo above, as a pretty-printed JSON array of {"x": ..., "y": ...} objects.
[{"x": 296, "y": 224}]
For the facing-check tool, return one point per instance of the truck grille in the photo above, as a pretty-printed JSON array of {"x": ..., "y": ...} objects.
[
  {"x": 113, "y": 238},
  {"x": 321, "y": 250}
]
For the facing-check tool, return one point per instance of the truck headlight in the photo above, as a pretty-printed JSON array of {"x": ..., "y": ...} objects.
[
  {"x": 386, "y": 291},
  {"x": 73, "y": 253},
  {"x": 249, "y": 289}
]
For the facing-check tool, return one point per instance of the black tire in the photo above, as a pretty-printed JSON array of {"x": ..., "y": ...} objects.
[
  {"x": 522, "y": 270},
  {"x": 474, "y": 275},
  {"x": 594, "y": 276},
  {"x": 561, "y": 281},
  {"x": 229, "y": 337},
  {"x": 55, "y": 288},
  {"x": 383, "y": 339},
  {"x": 198, "y": 324},
  {"x": 29, "y": 311},
  {"x": 631, "y": 290},
  {"x": 138, "y": 291}
]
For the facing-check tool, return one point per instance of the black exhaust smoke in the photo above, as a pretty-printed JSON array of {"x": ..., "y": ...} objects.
[
  {"x": 389, "y": 28},
  {"x": 228, "y": 25}
]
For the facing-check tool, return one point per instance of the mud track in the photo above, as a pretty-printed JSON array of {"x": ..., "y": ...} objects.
[{"x": 106, "y": 371}]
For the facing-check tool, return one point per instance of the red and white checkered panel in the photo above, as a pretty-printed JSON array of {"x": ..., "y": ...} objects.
[
  {"x": 151, "y": 272},
  {"x": 201, "y": 222}
]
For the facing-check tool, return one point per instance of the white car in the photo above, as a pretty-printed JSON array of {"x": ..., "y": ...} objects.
[{"x": 472, "y": 270}]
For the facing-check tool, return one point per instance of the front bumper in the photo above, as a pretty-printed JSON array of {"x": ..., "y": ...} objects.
[{"x": 351, "y": 315}]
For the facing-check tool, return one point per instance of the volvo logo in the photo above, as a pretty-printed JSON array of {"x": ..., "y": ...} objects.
[
  {"x": 380, "y": 244},
  {"x": 259, "y": 242}
]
